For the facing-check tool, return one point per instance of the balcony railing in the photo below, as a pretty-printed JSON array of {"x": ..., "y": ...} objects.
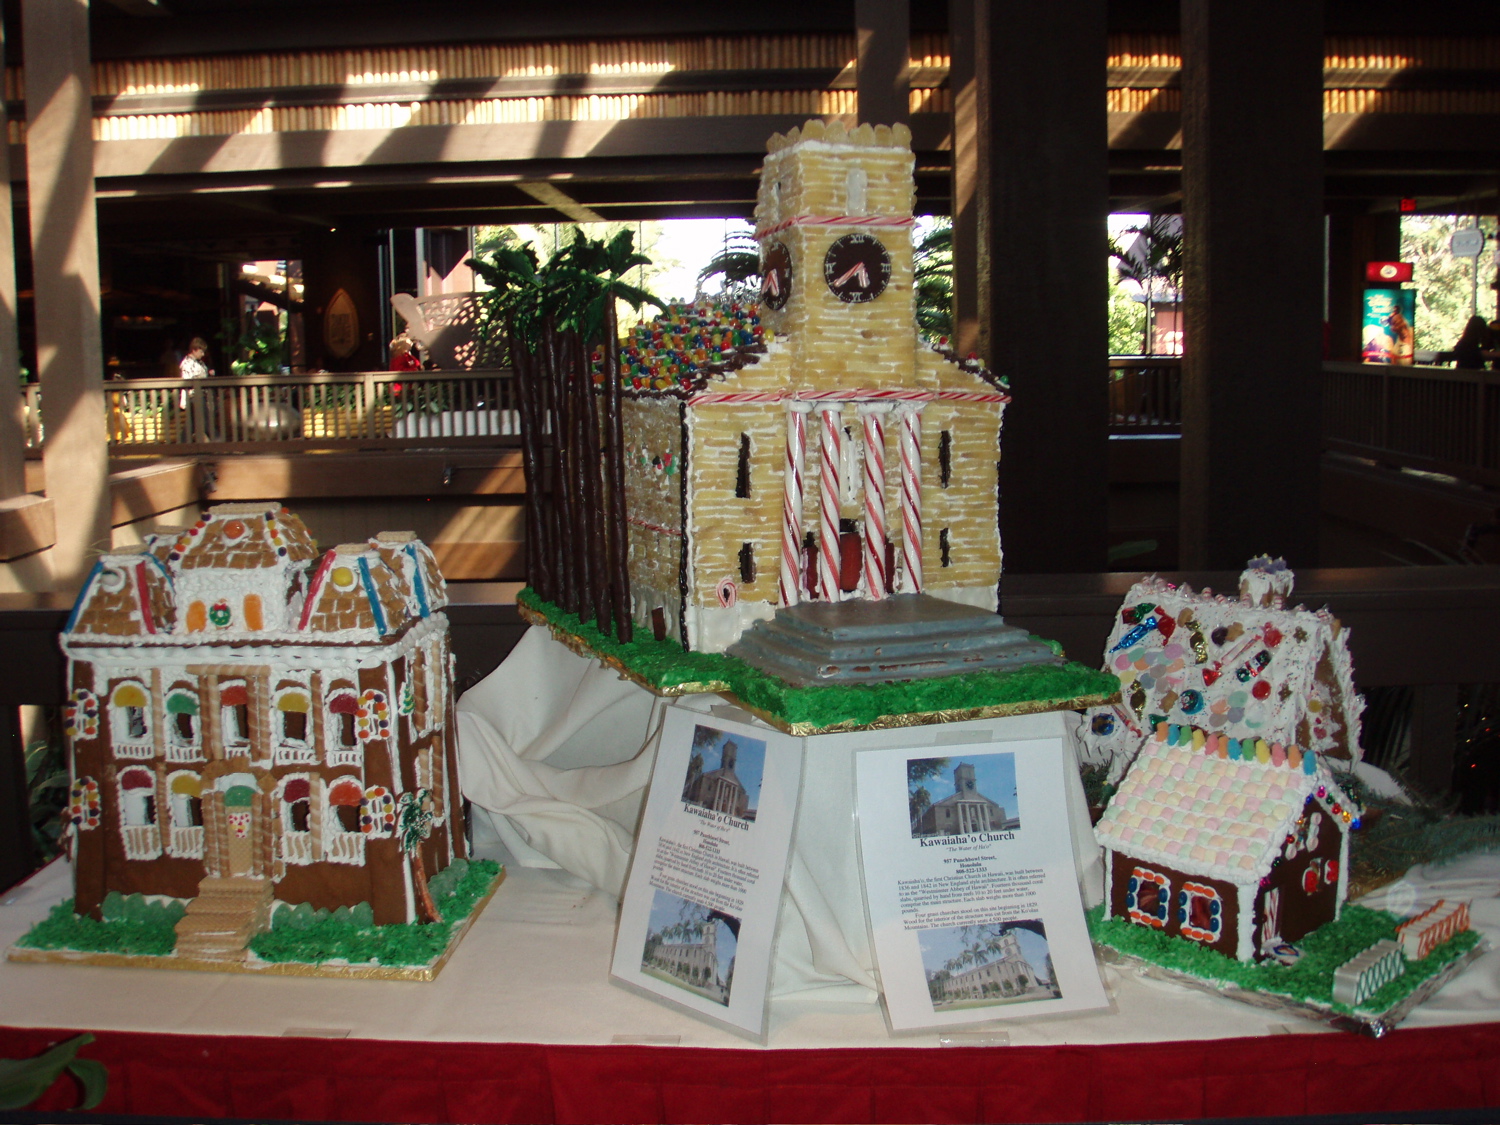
[
  {"x": 344, "y": 847},
  {"x": 269, "y": 413},
  {"x": 1145, "y": 394},
  {"x": 142, "y": 841},
  {"x": 1435, "y": 418}
]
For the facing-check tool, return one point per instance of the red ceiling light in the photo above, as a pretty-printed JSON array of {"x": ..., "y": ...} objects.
[
  {"x": 1408, "y": 203},
  {"x": 1388, "y": 271}
]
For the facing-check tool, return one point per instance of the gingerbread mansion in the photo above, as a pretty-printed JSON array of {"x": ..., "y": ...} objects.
[{"x": 247, "y": 712}]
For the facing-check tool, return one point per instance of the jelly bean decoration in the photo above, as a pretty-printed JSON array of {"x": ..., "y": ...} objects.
[
  {"x": 1219, "y": 635},
  {"x": 1271, "y": 635},
  {"x": 1310, "y": 880},
  {"x": 1261, "y": 690}
]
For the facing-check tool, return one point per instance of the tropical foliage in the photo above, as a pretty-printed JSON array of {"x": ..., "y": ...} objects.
[
  {"x": 1445, "y": 284},
  {"x": 1149, "y": 257},
  {"x": 570, "y": 291},
  {"x": 23, "y": 1081}
]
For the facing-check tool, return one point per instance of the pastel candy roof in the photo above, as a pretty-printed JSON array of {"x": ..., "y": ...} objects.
[{"x": 1201, "y": 814}]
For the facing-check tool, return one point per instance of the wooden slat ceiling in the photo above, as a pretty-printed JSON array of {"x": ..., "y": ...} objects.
[{"x": 266, "y": 142}]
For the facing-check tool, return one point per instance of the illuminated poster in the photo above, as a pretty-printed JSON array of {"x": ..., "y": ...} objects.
[{"x": 1389, "y": 334}]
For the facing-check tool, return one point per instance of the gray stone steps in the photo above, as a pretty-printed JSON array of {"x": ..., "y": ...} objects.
[{"x": 909, "y": 636}]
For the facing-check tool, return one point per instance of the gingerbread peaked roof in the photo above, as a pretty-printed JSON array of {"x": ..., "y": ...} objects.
[
  {"x": 357, "y": 588},
  {"x": 241, "y": 553},
  {"x": 1213, "y": 806},
  {"x": 1246, "y": 666},
  {"x": 128, "y": 594}
]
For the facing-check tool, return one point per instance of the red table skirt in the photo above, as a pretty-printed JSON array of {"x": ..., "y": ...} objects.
[{"x": 378, "y": 1080}]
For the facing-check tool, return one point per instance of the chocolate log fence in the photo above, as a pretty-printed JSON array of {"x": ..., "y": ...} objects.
[{"x": 573, "y": 454}]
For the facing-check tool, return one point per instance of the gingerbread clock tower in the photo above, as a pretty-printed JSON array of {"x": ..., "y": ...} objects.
[{"x": 844, "y": 464}]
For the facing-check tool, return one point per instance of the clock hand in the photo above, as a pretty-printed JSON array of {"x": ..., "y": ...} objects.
[
  {"x": 771, "y": 285},
  {"x": 858, "y": 270}
]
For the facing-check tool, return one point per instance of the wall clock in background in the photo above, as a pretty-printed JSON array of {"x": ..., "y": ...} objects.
[
  {"x": 776, "y": 276},
  {"x": 857, "y": 267}
]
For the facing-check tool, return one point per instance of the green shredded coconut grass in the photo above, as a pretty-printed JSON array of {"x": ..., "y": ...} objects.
[
  {"x": 150, "y": 936},
  {"x": 411, "y": 943},
  {"x": 664, "y": 665},
  {"x": 1310, "y": 980}
]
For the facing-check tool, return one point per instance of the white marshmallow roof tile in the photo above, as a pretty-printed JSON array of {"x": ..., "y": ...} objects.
[{"x": 1205, "y": 815}]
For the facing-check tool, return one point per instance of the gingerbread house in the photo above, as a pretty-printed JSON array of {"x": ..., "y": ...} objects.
[
  {"x": 1227, "y": 827},
  {"x": 841, "y": 460},
  {"x": 247, "y": 712}
]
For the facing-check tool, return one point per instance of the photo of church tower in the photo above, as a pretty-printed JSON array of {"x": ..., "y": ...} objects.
[
  {"x": 969, "y": 808},
  {"x": 724, "y": 773}
]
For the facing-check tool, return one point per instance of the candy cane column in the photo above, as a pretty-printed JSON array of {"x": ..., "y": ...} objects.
[
  {"x": 830, "y": 493},
  {"x": 792, "y": 567},
  {"x": 910, "y": 414},
  {"x": 873, "y": 415}
]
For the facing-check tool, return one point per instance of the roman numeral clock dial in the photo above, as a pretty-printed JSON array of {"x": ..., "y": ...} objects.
[
  {"x": 776, "y": 276},
  {"x": 857, "y": 267}
]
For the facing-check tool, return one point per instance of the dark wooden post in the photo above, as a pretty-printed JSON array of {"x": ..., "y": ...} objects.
[
  {"x": 1046, "y": 324},
  {"x": 1252, "y": 212},
  {"x": 618, "y": 529},
  {"x": 968, "y": 39},
  {"x": 883, "y": 78}
]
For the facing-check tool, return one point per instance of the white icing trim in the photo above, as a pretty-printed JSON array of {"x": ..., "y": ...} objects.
[
  {"x": 715, "y": 628},
  {"x": 984, "y": 597}
]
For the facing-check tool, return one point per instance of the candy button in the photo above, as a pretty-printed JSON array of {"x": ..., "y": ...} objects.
[
  {"x": 1261, "y": 690},
  {"x": 1122, "y": 662}
]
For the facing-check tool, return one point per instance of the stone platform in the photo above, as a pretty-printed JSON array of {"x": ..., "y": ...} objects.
[{"x": 906, "y": 637}]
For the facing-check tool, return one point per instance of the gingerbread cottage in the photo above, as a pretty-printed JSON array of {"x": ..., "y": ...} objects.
[
  {"x": 846, "y": 460},
  {"x": 246, "y": 714},
  {"x": 1227, "y": 827}
]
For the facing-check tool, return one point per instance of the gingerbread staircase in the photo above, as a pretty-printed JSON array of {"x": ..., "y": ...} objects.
[{"x": 220, "y": 922}]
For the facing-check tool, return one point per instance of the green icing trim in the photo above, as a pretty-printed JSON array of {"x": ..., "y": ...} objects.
[
  {"x": 410, "y": 943},
  {"x": 1310, "y": 980},
  {"x": 665, "y": 666}
]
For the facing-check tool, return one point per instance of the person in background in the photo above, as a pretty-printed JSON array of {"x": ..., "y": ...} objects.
[
  {"x": 404, "y": 354},
  {"x": 194, "y": 367},
  {"x": 1474, "y": 346}
]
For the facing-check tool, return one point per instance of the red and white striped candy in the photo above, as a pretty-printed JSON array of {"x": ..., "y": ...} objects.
[
  {"x": 830, "y": 492},
  {"x": 791, "y": 507},
  {"x": 874, "y": 553},
  {"x": 911, "y": 498}
]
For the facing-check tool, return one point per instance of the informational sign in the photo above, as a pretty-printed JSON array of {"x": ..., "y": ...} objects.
[
  {"x": 698, "y": 918},
  {"x": 1390, "y": 272},
  {"x": 1467, "y": 242},
  {"x": 1388, "y": 335},
  {"x": 971, "y": 885}
]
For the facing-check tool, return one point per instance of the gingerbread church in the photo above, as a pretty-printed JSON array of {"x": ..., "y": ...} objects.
[
  {"x": 843, "y": 460},
  {"x": 247, "y": 713}
]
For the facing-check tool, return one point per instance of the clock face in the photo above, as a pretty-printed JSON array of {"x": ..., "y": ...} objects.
[
  {"x": 857, "y": 267},
  {"x": 776, "y": 276}
]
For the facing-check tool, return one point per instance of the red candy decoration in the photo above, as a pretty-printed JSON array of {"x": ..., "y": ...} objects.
[
  {"x": 1272, "y": 636},
  {"x": 1310, "y": 879},
  {"x": 1261, "y": 689},
  {"x": 1165, "y": 625}
]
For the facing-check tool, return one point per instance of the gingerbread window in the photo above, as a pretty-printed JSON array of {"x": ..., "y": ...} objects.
[
  {"x": 234, "y": 713},
  {"x": 182, "y": 725},
  {"x": 130, "y": 720},
  {"x": 1146, "y": 898},
  {"x": 344, "y": 798},
  {"x": 1200, "y": 913},
  {"x": 292, "y": 707}
]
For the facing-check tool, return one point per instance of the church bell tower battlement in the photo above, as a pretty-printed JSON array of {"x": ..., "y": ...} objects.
[{"x": 834, "y": 221}]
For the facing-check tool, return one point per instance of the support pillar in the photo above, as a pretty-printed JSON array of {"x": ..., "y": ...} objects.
[
  {"x": 872, "y": 415},
  {"x": 13, "y": 416},
  {"x": 830, "y": 497},
  {"x": 1252, "y": 178},
  {"x": 967, "y": 39},
  {"x": 1048, "y": 203},
  {"x": 793, "y": 565},
  {"x": 911, "y": 497},
  {"x": 65, "y": 253},
  {"x": 883, "y": 69}
]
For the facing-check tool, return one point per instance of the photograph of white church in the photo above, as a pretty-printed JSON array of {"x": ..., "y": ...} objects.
[
  {"x": 962, "y": 797},
  {"x": 981, "y": 965},
  {"x": 724, "y": 772}
]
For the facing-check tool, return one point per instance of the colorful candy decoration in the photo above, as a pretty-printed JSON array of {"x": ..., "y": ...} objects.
[
  {"x": 81, "y": 715},
  {"x": 685, "y": 341},
  {"x": 373, "y": 719},
  {"x": 1146, "y": 898},
  {"x": 408, "y": 701},
  {"x": 1200, "y": 913},
  {"x": 377, "y": 812},
  {"x": 83, "y": 804},
  {"x": 220, "y": 614}
]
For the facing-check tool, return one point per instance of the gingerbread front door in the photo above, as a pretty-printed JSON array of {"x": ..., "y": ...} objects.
[{"x": 239, "y": 812}]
